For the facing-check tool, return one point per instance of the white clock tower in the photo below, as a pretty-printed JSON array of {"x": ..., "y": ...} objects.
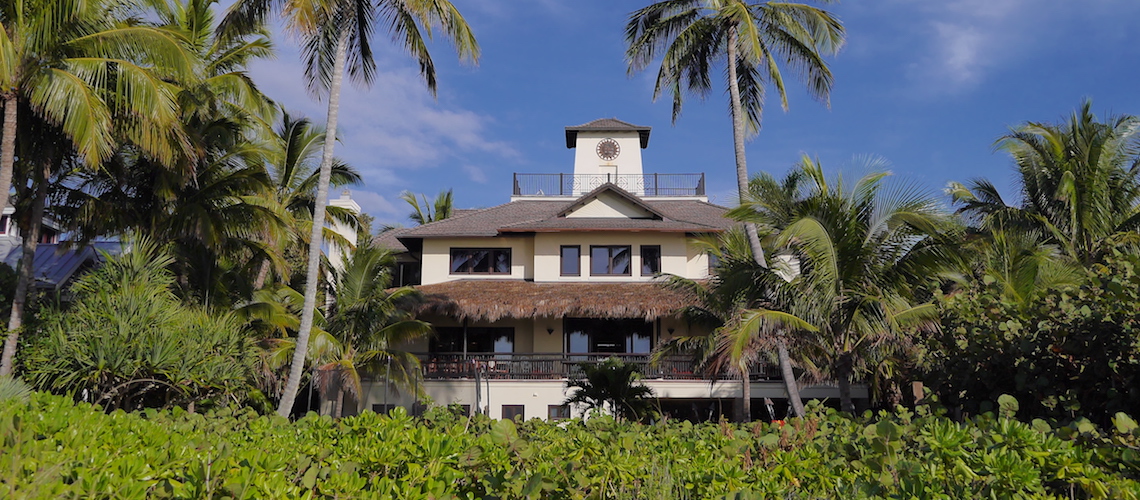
[{"x": 608, "y": 150}]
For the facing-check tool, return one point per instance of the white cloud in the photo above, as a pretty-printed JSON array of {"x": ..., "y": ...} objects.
[
  {"x": 395, "y": 125},
  {"x": 475, "y": 174},
  {"x": 376, "y": 205},
  {"x": 965, "y": 41}
]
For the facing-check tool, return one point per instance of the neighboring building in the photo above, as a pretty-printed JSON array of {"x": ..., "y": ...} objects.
[{"x": 566, "y": 272}]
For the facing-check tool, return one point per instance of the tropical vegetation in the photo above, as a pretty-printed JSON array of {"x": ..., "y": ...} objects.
[
  {"x": 55, "y": 448},
  {"x": 757, "y": 43}
]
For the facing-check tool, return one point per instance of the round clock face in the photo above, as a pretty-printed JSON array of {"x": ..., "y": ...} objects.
[{"x": 608, "y": 149}]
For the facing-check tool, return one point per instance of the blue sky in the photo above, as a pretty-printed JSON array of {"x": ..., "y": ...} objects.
[{"x": 927, "y": 85}]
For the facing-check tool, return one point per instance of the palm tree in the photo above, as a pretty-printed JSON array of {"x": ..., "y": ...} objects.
[
  {"x": 296, "y": 148},
  {"x": 61, "y": 58},
  {"x": 612, "y": 386},
  {"x": 1079, "y": 183},
  {"x": 88, "y": 77},
  {"x": 867, "y": 255},
  {"x": 751, "y": 40},
  {"x": 742, "y": 302},
  {"x": 364, "y": 329},
  {"x": 438, "y": 210},
  {"x": 329, "y": 28}
]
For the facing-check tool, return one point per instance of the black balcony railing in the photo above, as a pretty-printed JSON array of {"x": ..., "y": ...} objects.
[
  {"x": 556, "y": 366},
  {"x": 579, "y": 184}
]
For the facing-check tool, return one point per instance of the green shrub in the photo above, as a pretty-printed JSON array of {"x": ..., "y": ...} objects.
[
  {"x": 128, "y": 342},
  {"x": 53, "y": 448},
  {"x": 1069, "y": 352}
]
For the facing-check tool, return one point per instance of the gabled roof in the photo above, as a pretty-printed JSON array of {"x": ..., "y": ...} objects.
[
  {"x": 607, "y": 125},
  {"x": 525, "y": 216},
  {"x": 611, "y": 188}
]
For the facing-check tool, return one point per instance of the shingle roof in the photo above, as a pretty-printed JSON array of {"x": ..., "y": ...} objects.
[
  {"x": 607, "y": 125},
  {"x": 534, "y": 215}
]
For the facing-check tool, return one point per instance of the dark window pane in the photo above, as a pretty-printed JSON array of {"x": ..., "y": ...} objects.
[
  {"x": 557, "y": 412},
  {"x": 571, "y": 261},
  {"x": 480, "y": 260},
  {"x": 599, "y": 260},
  {"x": 460, "y": 260},
  {"x": 631, "y": 336},
  {"x": 514, "y": 412},
  {"x": 621, "y": 258},
  {"x": 503, "y": 261},
  {"x": 611, "y": 260},
  {"x": 650, "y": 260},
  {"x": 479, "y": 339}
]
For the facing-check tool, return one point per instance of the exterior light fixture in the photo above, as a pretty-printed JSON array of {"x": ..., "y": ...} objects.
[{"x": 549, "y": 330}]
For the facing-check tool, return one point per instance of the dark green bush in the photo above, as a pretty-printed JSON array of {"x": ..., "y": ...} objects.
[
  {"x": 1069, "y": 352},
  {"x": 52, "y": 448}
]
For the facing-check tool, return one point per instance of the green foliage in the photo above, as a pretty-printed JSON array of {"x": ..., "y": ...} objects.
[
  {"x": 128, "y": 341},
  {"x": 1069, "y": 351},
  {"x": 612, "y": 386},
  {"x": 54, "y": 448},
  {"x": 14, "y": 388}
]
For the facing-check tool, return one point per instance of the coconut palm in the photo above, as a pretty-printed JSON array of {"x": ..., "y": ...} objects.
[
  {"x": 330, "y": 30},
  {"x": 1079, "y": 183},
  {"x": 363, "y": 330},
  {"x": 437, "y": 210},
  {"x": 208, "y": 203},
  {"x": 62, "y": 59},
  {"x": 867, "y": 256},
  {"x": 91, "y": 77},
  {"x": 753, "y": 41},
  {"x": 296, "y": 148},
  {"x": 742, "y": 303}
]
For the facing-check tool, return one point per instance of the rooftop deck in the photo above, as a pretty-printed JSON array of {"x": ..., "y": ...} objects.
[{"x": 647, "y": 185}]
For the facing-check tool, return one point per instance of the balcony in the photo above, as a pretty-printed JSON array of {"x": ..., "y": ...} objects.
[
  {"x": 648, "y": 185},
  {"x": 558, "y": 366}
]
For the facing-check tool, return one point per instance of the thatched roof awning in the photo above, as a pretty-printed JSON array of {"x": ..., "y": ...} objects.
[{"x": 491, "y": 300}]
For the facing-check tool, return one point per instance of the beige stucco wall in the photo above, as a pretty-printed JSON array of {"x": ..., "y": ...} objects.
[
  {"x": 547, "y": 261},
  {"x": 537, "y": 395},
  {"x": 608, "y": 205},
  {"x": 437, "y": 258}
]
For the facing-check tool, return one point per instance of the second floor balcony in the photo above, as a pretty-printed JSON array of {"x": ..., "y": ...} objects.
[
  {"x": 561, "y": 366},
  {"x": 646, "y": 185}
]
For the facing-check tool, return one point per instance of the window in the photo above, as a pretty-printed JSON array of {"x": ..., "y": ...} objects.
[
  {"x": 557, "y": 412},
  {"x": 382, "y": 409},
  {"x": 407, "y": 273},
  {"x": 571, "y": 260},
  {"x": 480, "y": 261},
  {"x": 4, "y": 221},
  {"x": 714, "y": 261},
  {"x": 609, "y": 260},
  {"x": 514, "y": 412},
  {"x": 650, "y": 260},
  {"x": 618, "y": 336},
  {"x": 479, "y": 339}
]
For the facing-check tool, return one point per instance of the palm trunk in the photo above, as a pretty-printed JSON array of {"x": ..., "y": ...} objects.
[
  {"x": 293, "y": 384},
  {"x": 746, "y": 400},
  {"x": 26, "y": 276},
  {"x": 790, "y": 384},
  {"x": 8, "y": 147},
  {"x": 338, "y": 410},
  {"x": 843, "y": 370},
  {"x": 262, "y": 275}
]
